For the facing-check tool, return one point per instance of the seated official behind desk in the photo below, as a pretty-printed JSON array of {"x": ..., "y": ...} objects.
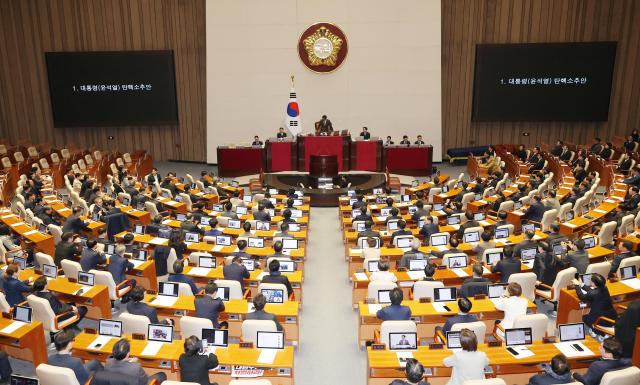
[
  {"x": 476, "y": 284},
  {"x": 195, "y": 367},
  {"x": 395, "y": 311},
  {"x": 414, "y": 372},
  {"x": 209, "y": 306},
  {"x": 365, "y": 134},
  {"x": 463, "y": 316},
  {"x": 138, "y": 307},
  {"x": 281, "y": 133},
  {"x": 323, "y": 126},
  {"x": 119, "y": 362},
  {"x": 58, "y": 307},
  {"x": 507, "y": 266},
  {"x": 557, "y": 372},
  {"x": 259, "y": 302},
  {"x": 383, "y": 274},
  {"x": 468, "y": 363},
  {"x": 63, "y": 342},
  {"x": 611, "y": 352},
  {"x": 597, "y": 297},
  {"x": 512, "y": 304}
]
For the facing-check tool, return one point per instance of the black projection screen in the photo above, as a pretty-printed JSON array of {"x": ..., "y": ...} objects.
[
  {"x": 543, "y": 82},
  {"x": 124, "y": 88}
]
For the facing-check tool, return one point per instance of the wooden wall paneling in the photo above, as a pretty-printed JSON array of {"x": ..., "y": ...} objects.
[{"x": 28, "y": 28}]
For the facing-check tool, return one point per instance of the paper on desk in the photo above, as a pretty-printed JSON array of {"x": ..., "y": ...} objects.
[
  {"x": 439, "y": 212},
  {"x": 403, "y": 357},
  {"x": 416, "y": 274},
  {"x": 17, "y": 224},
  {"x": 495, "y": 301},
  {"x": 166, "y": 221},
  {"x": 600, "y": 211},
  {"x": 30, "y": 232},
  {"x": 157, "y": 241},
  {"x": 439, "y": 307},
  {"x": 633, "y": 283},
  {"x": 361, "y": 277},
  {"x": 356, "y": 251},
  {"x": 152, "y": 348},
  {"x": 484, "y": 223},
  {"x": 460, "y": 272},
  {"x": 456, "y": 227},
  {"x": 250, "y": 307},
  {"x": 12, "y": 327},
  {"x": 570, "y": 225},
  {"x": 374, "y": 307},
  {"x": 171, "y": 203},
  {"x": 440, "y": 248},
  {"x": 8, "y": 216},
  {"x": 99, "y": 340},
  {"x": 528, "y": 263},
  {"x": 64, "y": 210},
  {"x": 523, "y": 352},
  {"x": 485, "y": 270},
  {"x": 164, "y": 300},
  {"x": 381, "y": 219},
  {"x": 569, "y": 351},
  {"x": 482, "y": 201},
  {"x": 537, "y": 237},
  {"x": 136, "y": 263},
  {"x": 286, "y": 251},
  {"x": 217, "y": 248},
  {"x": 267, "y": 356},
  {"x": 201, "y": 271},
  {"x": 405, "y": 249}
]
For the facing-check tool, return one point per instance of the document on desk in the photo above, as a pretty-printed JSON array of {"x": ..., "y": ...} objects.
[
  {"x": 17, "y": 224},
  {"x": 164, "y": 300},
  {"x": 485, "y": 223},
  {"x": 12, "y": 327},
  {"x": 456, "y": 227},
  {"x": 171, "y": 203},
  {"x": 250, "y": 307},
  {"x": 99, "y": 342},
  {"x": 416, "y": 274},
  {"x": 495, "y": 301},
  {"x": 8, "y": 216},
  {"x": 523, "y": 352},
  {"x": 136, "y": 263},
  {"x": 166, "y": 221},
  {"x": 267, "y": 356},
  {"x": 440, "y": 307},
  {"x": 217, "y": 248},
  {"x": 600, "y": 211},
  {"x": 30, "y": 232},
  {"x": 157, "y": 241},
  {"x": 381, "y": 219},
  {"x": 440, "y": 248},
  {"x": 200, "y": 271},
  {"x": 374, "y": 307},
  {"x": 356, "y": 251},
  {"x": 633, "y": 283},
  {"x": 152, "y": 348},
  {"x": 537, "y": 237},
  {"x": 570, "y": 349},
  {"x": 361, "y": 277},
  {"x": 403, "y": 357},
  {"x": 460, "y": 272}
]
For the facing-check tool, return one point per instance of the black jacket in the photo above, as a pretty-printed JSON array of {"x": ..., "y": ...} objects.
[
  {"x": 73, "y": 224},
  {"x": 578, "y": 259},
  {"x": 544, "y": 267},
  {"x": 473, "y": 286},
  {"x": 277, "y": 277},
  {"x": 141, "y": 308},
  {"x": 57, "y": 306},
  {"x": 506, "y": 267},
  {"x": 196, "y": 368},
  {"x": 599, "y": 301},
  {"x": 65, "y": 250},
  {"x": 550, "y": 377},
  {"x": 160, "y": 256},
  {"x": 598, "y": 368},
  {"x": 209, "y": 308}
]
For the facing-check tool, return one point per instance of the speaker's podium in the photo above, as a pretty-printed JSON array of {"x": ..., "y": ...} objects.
[{"x": 334, "y": 143}]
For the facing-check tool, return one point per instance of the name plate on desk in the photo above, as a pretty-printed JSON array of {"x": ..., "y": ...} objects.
[
  {"x": 494, "y": 344},
  {"x": 434, "y": 346},
  {"x": 378, "y": 347},
  {"x": 425, "y": 300},
  {"x": 246, "y": 345}
]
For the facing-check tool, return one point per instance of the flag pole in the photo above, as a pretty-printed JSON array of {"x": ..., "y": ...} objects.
[{"x": 293, "y": 81}]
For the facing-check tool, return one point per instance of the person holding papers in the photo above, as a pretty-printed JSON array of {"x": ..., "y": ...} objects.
[
  {"x": 512, "y": 304},
  {"x": 383, "y": 274},
  {"x": 557, "y": 372},
  {"x": 414, "y": 371},
  {"x": 597, "y": 297},
  {"x": 469, "y": 363},
  {"x": 177, "y": 276},
  {"x": 193, "y": 366},
  {"x": 507, "y": 266},
  {"x": 120, "y": 362},
  {"x": 464, "y": 307},
  {"x": 63, "y": 342},
  {"x": 58, "y": 307},
  {"x": 236, "y": 271},
  {"x": 259, "y": 301},
  {"x": 611, "y": 352},
  {"x": 275, "y": 276},
  {"x": 395, "y": 311},
  {"x": 209, "y": 306}
]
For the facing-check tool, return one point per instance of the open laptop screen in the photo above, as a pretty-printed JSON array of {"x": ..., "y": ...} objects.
[
  {"x": 111, "y": 328},
  {"x": 518, "y": 336},
  {"x": 270, "y": 340},
  {"x": 571, "y": 332},
  {"x": 215, "y": 337},
  {"x": 403, "y": 341},
  {"x": 160, "y": 333}
]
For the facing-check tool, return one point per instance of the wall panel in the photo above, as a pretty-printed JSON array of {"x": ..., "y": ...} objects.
[
  {"x": 469, "y": 22},
  {"x": 28, "y": 28}
]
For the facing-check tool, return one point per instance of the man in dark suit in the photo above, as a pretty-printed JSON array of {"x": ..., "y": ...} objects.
[
  {"x": 579, "y": 173},
  {"x": 275, "y": 276},
  {"x": 177, "y": 276},
  {"x": 256, "y": 141},
  {"x": 236, "y": 270},
  {"x": 557, "y": 372},
  {"x": 554, "y": 236},
  {"x": 578, "y": 257},
  {"x": 63, "y": 342},
  {"x": 91, "y": 257},
  {"x": 365, "y": 134},
  {"x": 402, "y": 230},
  {"x": 395, "y": 311},
  {"x": 119, "y": 362},
  {"x": 58, "y": 307},
  {"x": 154, "y": 226},
  {"x": 631, "y": 202},
  {"x": 625, "y": 248},
  {"x": 324, "y": 125},
  {"x": 476, "y": 284},
  {"x": 429, "y": 228},
  {"x": 259, "y": 301},
  {"x": 153, "y": 178},
  {"x": 634, "y": 178},
  {"x": 242, "y": 245},
  {"x": 464, "y": 305},
  {"x": 527, "y": 243},
  {"x": 359, "y": 202},
  {"x": 536, "y": 210},
  {"x": 195, "y": 367},
  {"x": 405, "y": 140},
  {"x": 470, "y": 222},
  {"x": 507, "y": 266},
  {"x": 47, "y": 217},
  {"x": 611, "y": 360},
  {"x": 420, "y": 212},
  {"x": 281, "y": 133},
  {"x": 137, "y": 307},
  {"x": 368, "y": 233},
  {"x": 419, "y": 141},
  {"x": 266, "y": 201},
  {"x": 607, "y": 151},
  {"x": 261, "y": 214},
  {"x": 119, "y": 265},
  {"x": 363, "y": 216},
  {"x": 190, "y": 225},
  {"x": 73, "y": 223},
  {"x": 597, "y": 147},
  {"x": 13, "y": 287},
  {"x": 388, "y": 142},
  {"x": 209, "y": 306}
]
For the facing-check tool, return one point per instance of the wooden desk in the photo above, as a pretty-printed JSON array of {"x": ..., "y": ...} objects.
[
  {"x": 383, "y": 365},
  {"x": 65, "y": 212},
  {"x": 581, "y": 223},
  {"x": 166, "y": 360},
  {"x": 26, "y": 343},
  {"x": 42, "y": 242}
]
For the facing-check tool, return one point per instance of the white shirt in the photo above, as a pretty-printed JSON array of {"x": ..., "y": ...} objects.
[
  {"x": 466, "y": 366},
  {"x": 382, "y": 276},
  {"x": 513, "y": 307}
]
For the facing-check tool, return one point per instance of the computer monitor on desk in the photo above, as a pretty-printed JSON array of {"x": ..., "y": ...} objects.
[
  {"x": 160, "y": 333},
  {"x": 518, "y": 336},
  {"x": 215, "y": 337}
]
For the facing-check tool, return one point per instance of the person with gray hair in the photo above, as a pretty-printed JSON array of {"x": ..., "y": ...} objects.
[
  {"x": 412, "y": 254},
  {"x": 119, "y": 265},
  {"x": 414, "y": 372}
]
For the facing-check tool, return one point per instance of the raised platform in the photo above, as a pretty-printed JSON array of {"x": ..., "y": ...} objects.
[{"x": 321, "y": 197}]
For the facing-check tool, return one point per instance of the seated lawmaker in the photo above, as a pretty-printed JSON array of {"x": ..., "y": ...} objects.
[
  {"x": 414, "y": 371},
  {"x": 363, "y": 216},
  {"x": 611, "y": 352},
  {"x": 195, "y": 367},
  {"x": 262, "y": 214},
  {"x": 463, "y": 316},
  {"x": 209, "y": 306},
  {"x": 476, "y": 284},
  {"x": 402, "y": 230},
  {"x": 120, "y": 362},
  {"x": 259, "y": 301},
  {"x": 13, "y": 287},
  {"x": 236, "y": 271},
  {"x": 281, "y": 133},
  {"x": 136, "y": 306},
  {"x": 383, "y": 274},
  {"x": 388, "y": 142},
  {"x": 368, "y": 233},
  {"x": 63, "y": 342},
  {"x": 177, "y": 276},
  {"x": 396, "y": 311},
  {"x": 598, "y": 299},
  {"x": 419, "y": 141},
  {"x": 468, "y": 363},
  {"x": 119, "y": 265},
  {"x": 405, "y": 140},
  {"x": 58, "y": 307},
  {"x": 256, "y": 141},
  {"x": 413, "y": 254},
  {"x": 365, "y": 134},
  {"x": 275, "y": 276},
  {"x": 557, "y": 372},
  {"x": 429, "y": 228}
]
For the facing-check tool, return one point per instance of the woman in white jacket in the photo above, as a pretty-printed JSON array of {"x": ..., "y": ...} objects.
[
  {"x": 512, "y": 304},
  {"x": 468, "y": 363}
]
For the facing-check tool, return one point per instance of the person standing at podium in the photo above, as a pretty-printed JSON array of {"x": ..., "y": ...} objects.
[
  {"x": 281, "y": 134},
  {"x": 324, "y": 126},
  {"x": 256, "y": 141},
  {"x": 419, "y": 141},
  {"x": 365, "y": 134}
]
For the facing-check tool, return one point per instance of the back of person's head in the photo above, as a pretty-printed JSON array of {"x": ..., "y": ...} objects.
[
  {"x": 389, "y": 201},
  {"x": 396, "y": 296},
  {"x": 529, "y": 234},
  {"x": 192, "y": 345},
  {"x": 478, "y": 269},
  {"x": 402, "y": 224},
  {"x": 508, "y": 251},
  {"x": 237, "y": 259},
  {"x": 242, "y": 244},
  {"x": 419, "y": 204},
  {"x": 627, "y": 245},
  {"x": 598, "y": 280},
  {"x": 128, "y": 238},
  {"x": 66, "y": 237},
  {"x": 259, "y": 301},
  {"x": 363, "y": 210},
  {"x": 468, "y": 215},
  {"x": 579, "y": 244},
  {"x": 394, "y": 212},
  {"x": 429, "y": 270},
  {"x": 39, "y": 284},
  {"x": 121, "y": 349},
  {"x": 464, "y": 305},
  {"x": 286, "y": 214},
  {"x": 213, "y": 222},
  {"x": 236, "y": 194},
  {"x": 260, "y": 206},
  {"x": 246, "y": 226},
  {"x": 91, "y": 243},
  {"x": 559, "y": 364},
  {"x": 211, "y": 288},
  {"x": 284, "y": 227},
  {"x": 120, "y": 249},
  {"x": 372, "y": 242},
  {"x": 545, "y": 246},
  {"x": 468, "y": 340},
  {"x": 77, "y": 210},
  {"x": 228, "y": 206},
  {"x": 368, "y": 224},
  {"x": 555, "y": 227},
  {"x": 502, "y": 215},
  {"x": 274, "y": 265},
  {"x": 453, "y": 242},
  {"x": 514, "y": 289},
  {"x": 383, "y": 265},
  {"x": 137, "y": 294},
  {"x": 62, "y": 339},
  {"x": 178, "y": 267},
  {"x": 277, "y": 246},
  {"x": 486, "y": 236},
  {"x": 612, "y": 346},
  {"x": 158, "y": 219},
  {"x": 414, "y": 371}
]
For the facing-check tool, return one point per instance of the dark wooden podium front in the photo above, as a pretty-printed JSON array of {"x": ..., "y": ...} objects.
[
  {"x": 323, "y": 166},
  {"x": 337, "y": 145}
]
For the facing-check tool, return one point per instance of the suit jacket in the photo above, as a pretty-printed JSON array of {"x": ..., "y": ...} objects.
[
  {"x": 598, "y": 368},
  {"x": 633, "y": 180},
  {"x": 235, "y": 272},
  {"x": 64, "y": 250},
  {"x": 467, "y": 225},
  {"x": 362, "y": 217},
  {"x": 13, "y": 289},
  {"x": 400, "y": 233},
  {"x": 615, "y": 264},
  {"x": 209, "y": 308},
  {"x": 506, "y": 267},
  {"x": 599, "y": 302},
  {"x": 73, "y": 224},
  {"x": 181, "y": 278},
  {"x": 262, "y": 216},
  {"x": 277, "y": 277},
  {"x": 578, "y": 259},
  {"x": 358, "y": 204},
  {"x": 419, "y": 214},
  {"x": 196, "y": 368},
  {"x": 631, "y": 202},
  {"x": 428, "y": 230},
  {"x": 116, "y": 222},
  {"x": 91, "y": 259},
  {"x": 48, "y": 219},
  {"x": 458, "y": 318},
  {"x": 535, "y": 211},
  {"x": 118, "y": 266},
  {"x": 57, "y": 306},
  {"x": 160, "y": 256},
  {"x": 127, "y": 368},
  {"x": 141, "y": 308},
  {"x": 473, "y": 286},
  {"x": 394, "y": 313},
  {"x": 73, "y": 363},
  {"x": 263, "y": 315},
  {"x": 151, "y": 179},
  {"x": 526, "y": 244}
]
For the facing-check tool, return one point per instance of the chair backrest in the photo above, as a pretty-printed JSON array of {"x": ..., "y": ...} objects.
[
  {"x": 127, "y": 158},
  {"x": 478, "y": 327},
  {"x": 184, "y": 289},
  {"x": 18, "y": 156},
  {"x": 223, "y": 221},
  {"x": 88, "y": 159},
  {"x": 371, "y": 253},
  {"x": 563, "y": 279},
  {"x": 133, "y": 323},
  {"x": 528, "y": 283},
  {"x": 626, "y": 225},
  {"x": 66, "y": 154},
  {"x": 44, "y": 164},
  {"x": 478, "y": 229},
  {"x": 251, "y": 327},
  {"x": 186, "y": 199},
  {"x": 55, "y": 158},
  {"x": 629, "y": 261},
  {"x": 195, "y": 256},
  {"x": 151, "y": 208},
  {"x": 56, "y": 232},
  {"x": 105, "y": 278},
  {"x": 434, "y": 191},
  {"x": 547, "y": 219},
  {"x": 70, "y": 268},
  {"x": 6, "y": 162},
  {"x": 171, "y": 259},
  {"x": 488, "y": 381},
  {"x": 192, "y": 326},
  {"x": 4, "y": 305},
  {"x": 375, "y": 286},
  {"x": 424, "y": 289},
  {"x": 42, "y": 312},
  {"x": 355, "y": 224},
  {"x": 466, "y": 198},
  {"x": 235, "y": 289},
  {"x": 537, "y": 322},
  {"x": 395, "y": 327},
  {"x": 628, "y": 376},
  {"x": 43, "y": 259},
  {"x": 274, "y": 286},
  {"x": 601, "y": 268},
  {"x": 605, "y": 236},
  {"x": 56, "y": 375}
]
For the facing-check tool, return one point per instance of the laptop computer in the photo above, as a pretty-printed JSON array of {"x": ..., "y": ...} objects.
[
  {"x": 518, "y": 336},
  {"x": 22, "y": 314},
  {"x": 22, "y": 380},
  {"x": 273, "y": 295},
  {"x": 438, "y": 240},
  {"x": 86, "y": 279},
  {"x": 270, "y": 340},
  {"x": 453, "y": 340},
  {"x": 404, "y": 242},
  {"x": 255, "y": 242},
  {"x": 289, "y": 244},
  {"x": 215, "y": 337},
  {"x": 528, "y": 255},
  {"x": 478, "y": 217},
  {"x": 496, "y": 291},
  {"x": 444, "y": 294},
  {"x": 457, "y": 262},
  {"x": 472, "y": 236},
  {"x": 294, "y": 227},
  {"x": 384, "y": 296},
  {"x": 263, "y": 226},
  {"x": 223, "y": 240},
  {"x": 501, "y": 233},
  {"x": 287, "y": 266},
  {"x": 191, "y": 237},
  {"x": 111, "y": 328},
  {"x": 249, "y": 264},
  {"x": 392, "y": 225},
  {"x": 453, "y": 220},
  {"x": 240, "y": 210},
  {"x": 168, "y": 288},
  {"x": 494, "y": 257},
  {"x": 139, "y": 229},
  {"x": 181, "y": 217},
  {"x": 589, "y": 242},
  {"x": 372, "y": 266},
  {"x": 207, "y": 262},
  {"x": 417, "y": 264},
  {"x": 233, "y": 224},
  {"x": 628, "y": 272},
  {"x": 160, "y": 333},
  {"x": 50, "y": 271},
  {"x": 403, "y": 341}
]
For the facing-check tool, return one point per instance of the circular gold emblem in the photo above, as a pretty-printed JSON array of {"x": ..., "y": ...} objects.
[{"x": 322, "y": 47}]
